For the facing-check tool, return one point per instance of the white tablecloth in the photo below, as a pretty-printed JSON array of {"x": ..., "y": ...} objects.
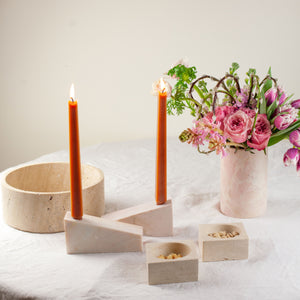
[{"x": 36, "y": 266}]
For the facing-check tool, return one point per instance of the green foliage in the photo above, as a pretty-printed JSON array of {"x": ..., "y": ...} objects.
[
  {"x": 283, "y": 134},
  {"x": 179, "y": 99},
  {"x": 251, "y": 72},
  {"x": 230, "y": 83},
  {"x": 286, "y": 100},
  {"x": 263, "y": 104},
  {"x": 271, "y": 109},
  {"x": 270, "y": 72},
  {"x": 267, "y": 85},
  {"x": 234, "y": 68},
  {"x": 183, "y": 74},
  {"x": 174, "y": 105}
]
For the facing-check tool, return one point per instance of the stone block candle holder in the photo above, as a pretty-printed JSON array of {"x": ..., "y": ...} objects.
[
  {"x": 98, "y": 235},
  {"x": 223, "y": 246},
  {"x": 156, "y": 220},
  {"x": 36, "y": 197},
  {"x": 181, "y": 269}
]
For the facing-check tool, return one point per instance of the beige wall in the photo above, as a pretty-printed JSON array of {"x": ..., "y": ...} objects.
[{"x": 113, "y": 51}]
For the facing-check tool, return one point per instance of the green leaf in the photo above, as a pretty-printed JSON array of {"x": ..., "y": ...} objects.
[
  {"x": 234, "y": 67},
  {"x": 199, "y": 92},
  {"x": 267, "y": 86},
  {"x": 286, "y": 100},
  {"x": 251, "y": 72},
  {"x": 287, "y": 131},
  {"x": 263, "y": 105},
  {"x": 276, "y": 139},
  {"x": 271, "y": 109},
  {"x": 280, "y": 114},
  {"x": 175, "y": 106},
  {"x": 283, "y": 134},
  {"x": 269, "y": 72},
  {"x": 254, "y": 123}
]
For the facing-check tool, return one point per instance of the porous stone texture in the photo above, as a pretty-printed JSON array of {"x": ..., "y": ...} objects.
[
  {"x": 98, "y": 235},
  {"x": 216, "y": 249},
  {"x": 156, "y": 220},
  {"x": 36, "y": 197},
  {"x": 244, "y": 182},
  {"x": 181, "y": 269}
]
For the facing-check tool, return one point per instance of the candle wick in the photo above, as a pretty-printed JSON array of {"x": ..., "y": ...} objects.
[{"x": 72, "y": 99}]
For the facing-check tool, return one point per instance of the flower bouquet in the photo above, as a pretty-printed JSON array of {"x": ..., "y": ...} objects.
[{"x": 243, "y": 122}]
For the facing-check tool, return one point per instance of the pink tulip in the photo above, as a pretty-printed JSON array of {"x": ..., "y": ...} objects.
[
  {"x": 296, "y": 103},
  {"x": 291, "y": 157},
  {"x": 271, "y": 95},
  {"x": 298, "y": 168},
  {"x": 295, "y": 138},
  {"x": 282, "y": 97},
  {"x": 284, "y": 121}
]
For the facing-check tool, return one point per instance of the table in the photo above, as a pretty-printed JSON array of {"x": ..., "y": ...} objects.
[{"x": 36, "y": 266}]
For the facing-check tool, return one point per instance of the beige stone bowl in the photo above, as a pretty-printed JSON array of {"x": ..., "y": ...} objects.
[{"x": 36, "y": 197}]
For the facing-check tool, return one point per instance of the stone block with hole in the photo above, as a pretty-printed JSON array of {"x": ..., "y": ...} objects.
[
  {"x": 181, "y": 269},
  {"x": 223, "y": 248}
]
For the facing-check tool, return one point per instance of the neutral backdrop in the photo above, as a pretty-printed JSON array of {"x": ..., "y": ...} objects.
[{"x": 113, "y": 51}]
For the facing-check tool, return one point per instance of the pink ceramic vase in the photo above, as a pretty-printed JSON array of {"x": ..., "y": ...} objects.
[{"x": 244, "y": 180}]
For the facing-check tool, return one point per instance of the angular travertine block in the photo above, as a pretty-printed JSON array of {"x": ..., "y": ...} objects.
[
  {"x": 94, "y": 235},
  {"x": 181, "y": 269},
  {"x": 157, "y": 220},
  {"x": 215, "y": 249}
]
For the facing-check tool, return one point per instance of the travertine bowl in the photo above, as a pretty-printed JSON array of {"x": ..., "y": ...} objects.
[{"x": 36, "y": 197}]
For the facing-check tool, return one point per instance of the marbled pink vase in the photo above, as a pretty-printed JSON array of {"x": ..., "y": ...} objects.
[{"x": 244, "y": 180}]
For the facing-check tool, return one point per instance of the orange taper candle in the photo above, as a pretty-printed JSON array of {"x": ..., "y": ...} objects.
[
  {"x": 75, "y": 165},
  {"x": 161, "y": 146}
]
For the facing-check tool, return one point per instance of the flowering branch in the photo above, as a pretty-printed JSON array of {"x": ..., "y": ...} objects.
[{"x": 218, "y": 85}]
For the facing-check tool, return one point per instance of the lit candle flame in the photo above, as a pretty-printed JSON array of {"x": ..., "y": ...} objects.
[
  {"x": 162, "y": 85},
  {"x": 72, "y": 92}
]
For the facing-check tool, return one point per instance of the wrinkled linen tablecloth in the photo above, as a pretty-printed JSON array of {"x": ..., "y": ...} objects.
[{"x": 36, "y": 266}]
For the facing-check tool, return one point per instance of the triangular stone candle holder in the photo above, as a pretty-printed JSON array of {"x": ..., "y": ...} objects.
[
  {"x": 98, "y": 235},
  {"x": 156, "y": 220}
]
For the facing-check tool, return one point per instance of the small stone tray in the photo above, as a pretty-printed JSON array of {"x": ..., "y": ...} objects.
[
  {"x": 216, "y": 249},
  {"x": 181, "y": 269}
]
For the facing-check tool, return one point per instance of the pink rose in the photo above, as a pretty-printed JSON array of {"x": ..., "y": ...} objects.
[
  {"x": 250, "y": 112},
  {"x": 237, "y": 126},
  {"x": 222, "y": 112},
  {"x": 208, "y": 119},
  {"x": 261, "y": 133}
]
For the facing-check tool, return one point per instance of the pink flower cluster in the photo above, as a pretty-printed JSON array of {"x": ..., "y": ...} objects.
[
  {"x": 237, "y": 125},
  {"x": 241, "y": 125},
  {"x": 206, "y": 130}
]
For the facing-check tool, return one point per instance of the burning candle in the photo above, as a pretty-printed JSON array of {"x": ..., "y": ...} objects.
[
  {"x": 161, "y": 145},
  {"x": 75, "y": 166}
]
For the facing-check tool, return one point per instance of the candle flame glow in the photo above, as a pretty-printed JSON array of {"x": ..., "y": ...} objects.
[
  {"x": 72, "y": 92},
  {"x": 162, "y": 84}
]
